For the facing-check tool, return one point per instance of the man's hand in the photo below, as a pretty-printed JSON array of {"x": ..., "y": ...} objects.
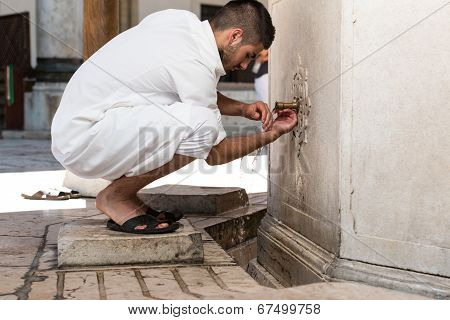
[
  {"x": 285, "y": 122},
  {"x": 236, "y": 147},
  {"x": 259, "y": 111}
]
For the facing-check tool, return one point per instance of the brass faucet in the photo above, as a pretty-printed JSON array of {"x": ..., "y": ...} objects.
[{"x": 295, "y": 105}]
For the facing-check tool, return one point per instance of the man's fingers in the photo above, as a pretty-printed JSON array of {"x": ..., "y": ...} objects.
[
  {"x": 269, "y": 120},
  {"x": 284, "y": 111},
  {"x": 262, "y": 115}
]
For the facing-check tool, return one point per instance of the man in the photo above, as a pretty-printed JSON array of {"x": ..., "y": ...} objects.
[{"x": 146, "y": 104}]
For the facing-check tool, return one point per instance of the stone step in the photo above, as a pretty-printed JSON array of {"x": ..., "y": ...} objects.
[
  {"x": 89, "y": 243},
  {"x": 244, "y": 252},
  {"x": 194, "y": 199}
]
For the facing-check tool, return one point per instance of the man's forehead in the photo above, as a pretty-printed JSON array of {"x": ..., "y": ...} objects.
[{"x": 255, "y": 48}]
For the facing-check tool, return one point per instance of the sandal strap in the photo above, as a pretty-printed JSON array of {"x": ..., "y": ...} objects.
[{"x": 170, "y": 217}]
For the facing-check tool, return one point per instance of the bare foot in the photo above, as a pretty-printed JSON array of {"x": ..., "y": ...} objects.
[{"x": 120, "y": 207}]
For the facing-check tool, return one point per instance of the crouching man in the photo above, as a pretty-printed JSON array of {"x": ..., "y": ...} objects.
[{"x": 146, "y": 104}]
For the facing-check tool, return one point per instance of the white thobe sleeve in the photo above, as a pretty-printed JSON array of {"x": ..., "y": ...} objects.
[{"x": 196, "y": 85}]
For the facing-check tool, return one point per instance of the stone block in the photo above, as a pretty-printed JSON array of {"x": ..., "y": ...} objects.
[
  {"x": 194, "y": 199},
  {"x": 89, "y": 242}
]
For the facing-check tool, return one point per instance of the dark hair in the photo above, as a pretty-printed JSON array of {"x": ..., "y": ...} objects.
[{"x": 249, "y": 15}]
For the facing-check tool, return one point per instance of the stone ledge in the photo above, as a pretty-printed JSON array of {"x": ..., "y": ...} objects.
[
  {"x": 90, "y": 243},
  {"x": 194, "y": 199}
]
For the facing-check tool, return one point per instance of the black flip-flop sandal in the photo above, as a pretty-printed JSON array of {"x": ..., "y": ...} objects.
[
  {"x": 130, "y": 225},
  {"x": 170, "y": 218}
]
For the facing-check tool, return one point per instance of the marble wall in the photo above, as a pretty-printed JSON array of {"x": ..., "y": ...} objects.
[{"x": 372, "y": 182}]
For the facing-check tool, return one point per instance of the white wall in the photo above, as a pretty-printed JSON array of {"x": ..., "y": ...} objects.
[
  {"x": 17, "y": 6},
  {"x": 396, "y": 144},
  {"x": 377, "y": 181},
  {"x": 303, "y": 186}
]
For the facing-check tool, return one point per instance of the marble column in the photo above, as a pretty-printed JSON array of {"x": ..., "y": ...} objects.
[
  {"x": 59, "y": 54},
  {"x": 361, "y": 190}
]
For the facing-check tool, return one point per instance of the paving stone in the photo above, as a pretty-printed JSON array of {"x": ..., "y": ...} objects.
[
  {"x": 18, "y": 251},
  {"x": 199, "y": 281},
  {"x": 22, "y": 224},
  {"x": 89, "y": 242},
  {"x": 8, "y": 297},
  {"x": 34, "y": 223},
  {"x": 81, "y": 286},
  {"x": 11, "y": 279},
  {"x": 162, "y": 284},
  {"x": 194, "y": 199},
  {"x": 236, "y": 278},
  {"x": 44, "y": 286},
  {"x": 123, "y": 285},
  {"x": 326, "y": 291}
]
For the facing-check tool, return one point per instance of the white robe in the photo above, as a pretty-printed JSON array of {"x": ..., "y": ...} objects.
[{"x": 147, "y": 94}]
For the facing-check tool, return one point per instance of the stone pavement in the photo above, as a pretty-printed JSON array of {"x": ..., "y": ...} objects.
[
  {"x": 28, "y": 267},
  {"x": 26, "y": 155}
]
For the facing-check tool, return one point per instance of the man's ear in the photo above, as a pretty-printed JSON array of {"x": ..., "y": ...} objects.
[{"x": 235, "y": 36}]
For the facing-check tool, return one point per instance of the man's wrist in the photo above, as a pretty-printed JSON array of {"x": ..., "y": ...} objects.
[
  {"x": 242, "y": 108},
  {"x": 272, "y": 135}
]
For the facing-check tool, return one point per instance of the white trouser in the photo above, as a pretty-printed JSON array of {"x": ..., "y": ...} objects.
[{"x": 131, "y": 141}]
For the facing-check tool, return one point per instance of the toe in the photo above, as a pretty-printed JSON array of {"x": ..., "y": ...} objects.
[
  {"x": 162, "y": 225},
  {"x": 159, "y": 226}
]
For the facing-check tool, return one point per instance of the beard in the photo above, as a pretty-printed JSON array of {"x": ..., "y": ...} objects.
[{"x": 226, "y": 56}]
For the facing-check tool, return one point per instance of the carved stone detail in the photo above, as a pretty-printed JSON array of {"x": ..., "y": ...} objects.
[{"x": 300, "y": 93}]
